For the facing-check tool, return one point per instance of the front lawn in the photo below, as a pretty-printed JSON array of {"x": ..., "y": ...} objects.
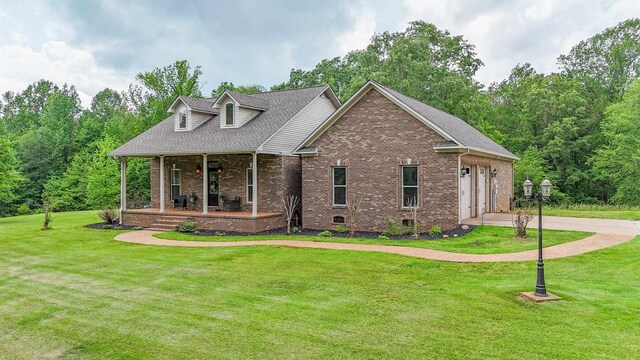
[
  {"x": 74, "y": 292},
  {"x": 482, "y": 240},
  {"x": 594, "y": 211}
]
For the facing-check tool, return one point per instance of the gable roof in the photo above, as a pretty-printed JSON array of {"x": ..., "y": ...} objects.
[
  {"x": 458, "y": 133},
  {"x": 161, "y": 139},
  {"x": 250, "y": 101},
  {"x": 200, "y": 105}
]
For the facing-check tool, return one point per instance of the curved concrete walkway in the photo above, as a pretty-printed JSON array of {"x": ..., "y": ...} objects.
[{"x": 592, "y": 243}]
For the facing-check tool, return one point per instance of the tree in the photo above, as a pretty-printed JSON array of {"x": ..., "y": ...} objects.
[
  {"x": 610, "y": 59},
  {"x": 243, "y": 89},
  {"x": 165, "y": 84},
  {"x": 353, "y": 206},
  {"x": 103, "y": 176},
  {"x": 618, "y": 161},
  {"x": 290, "y": 205},
  {"x": 10, "y": 178}
]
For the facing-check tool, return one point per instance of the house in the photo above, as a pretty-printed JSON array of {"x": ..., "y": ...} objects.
[
  {"x": 390, "y": 150},
  {"x": 246, "y": 152},
  {"x": 234, "y": 152}
]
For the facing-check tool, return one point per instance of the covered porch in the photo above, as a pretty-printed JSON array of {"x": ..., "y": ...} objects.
[
  {"x": 227, "y": 192},
  {"x": 240, "y": 221}
]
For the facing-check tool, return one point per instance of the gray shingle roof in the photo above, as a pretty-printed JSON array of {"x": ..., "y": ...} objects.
[
  {"x": 210, "y": 138},
  {"x": 202, "y": 105},
  {"x": 455, "y": 127},
  {"x": 255, "y": 100}
]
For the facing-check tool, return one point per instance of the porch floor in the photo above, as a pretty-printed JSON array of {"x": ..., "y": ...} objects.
[{"x": 197, "y": 213}]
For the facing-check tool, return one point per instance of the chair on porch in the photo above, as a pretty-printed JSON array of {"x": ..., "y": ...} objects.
[
  {"x": 180, "y": 202},
  {"x": 232, "y": 205}
]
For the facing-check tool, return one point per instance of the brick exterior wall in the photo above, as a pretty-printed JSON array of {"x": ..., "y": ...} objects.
[
  {"x": 226, "y": 223},
  {"x": 277, "y": 176},
  {"x": 373, "y": 140}
]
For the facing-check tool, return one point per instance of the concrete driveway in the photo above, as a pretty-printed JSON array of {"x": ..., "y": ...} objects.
[{"x": 602, "y": 226}]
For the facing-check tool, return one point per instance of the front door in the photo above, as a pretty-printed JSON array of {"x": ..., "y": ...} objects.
[
  {"x": 465, "y": 194},
  {"x": 213, "y": 177}
]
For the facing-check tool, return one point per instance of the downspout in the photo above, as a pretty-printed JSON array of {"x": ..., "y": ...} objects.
[{"x": 458, "y": 182}]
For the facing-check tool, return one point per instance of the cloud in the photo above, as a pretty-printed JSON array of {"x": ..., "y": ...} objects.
[
  {"x": 58, "y": 62},
  {"x": 510, "y": 32},
  {"x": 357, "y": 36}
]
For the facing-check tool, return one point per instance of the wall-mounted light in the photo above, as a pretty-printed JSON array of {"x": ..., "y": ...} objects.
[
  {"x": 220, "y": 169},
  {"x": 199, "y": 169},
  {"x": 463, "y": 172},
  {"x": 495, "y": 172}
]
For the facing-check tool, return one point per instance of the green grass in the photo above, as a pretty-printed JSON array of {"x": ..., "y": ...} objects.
[
  {"x": 74, "y": 293},
  {"x": 482, "y": 240},
  {"x": 594, "y": 211}
]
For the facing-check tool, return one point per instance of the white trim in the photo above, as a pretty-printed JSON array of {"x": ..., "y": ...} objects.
[
  {"x": 333, "y": 186},
  {"x": 354, "y": 99},
  {"x": 416, "y": 186},
  {"x": 123, "y": 187},
  {"x": 205, "y": 184},
  {"x": 246, "y": 183},
  {"x": 162, "y": 183},
  {"x": 226, "y": 115},
  {"x": 179, "y": 184},
  {"x": 169, "y": 110},
  {"x": 476, "y": 151},
  {"x": 254, "y": 204},
  {"x": 180, "y": 115}
]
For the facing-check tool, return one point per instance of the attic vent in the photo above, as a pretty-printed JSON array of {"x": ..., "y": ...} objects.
[{"x": 324, "y": 96}]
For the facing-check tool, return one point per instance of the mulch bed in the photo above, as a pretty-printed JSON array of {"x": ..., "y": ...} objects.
[
  {"x": 451, "y": 233},
  {"x": 102, "y": 225}
]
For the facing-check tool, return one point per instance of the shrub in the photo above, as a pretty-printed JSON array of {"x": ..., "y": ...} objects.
[
  {"x": 188, "y": 226},
  {"x": 107, "y": 227},
  {"x": 295, "y": 229},
  {"x": 325, "y": 233},
  {"x": 435, "y": 230},
  {"x": 109, "y": 215},
  {"x": 382, "y": 237},
  {"x": 117, "y": 228},
  {"x": 341, "y": 229},
  {"x": 137, "y": 228},
  {"x": 24, "y": 209},
  {"x": 196, "y": 232},
  {"x": 395, "y": 229},
  {"x": 220, "y": 233}
]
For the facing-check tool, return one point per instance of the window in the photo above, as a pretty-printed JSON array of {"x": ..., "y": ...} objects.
[
  {"x": 175, "y": 183},
  {"x": 339, "y": 186},
  {"x": 338, "y": 219},
  {"x": 182, "y": 120},
  {"x": 409, "y": 185},
  {"x": 249, "y": 185},
  {"x": 229, "y": 114}
]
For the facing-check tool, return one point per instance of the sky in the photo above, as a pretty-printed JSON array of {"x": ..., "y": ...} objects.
[{"x": 105, "y": 43}]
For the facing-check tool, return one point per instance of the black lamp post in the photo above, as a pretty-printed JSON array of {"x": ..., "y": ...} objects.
[{"x": 543, "y": 194}]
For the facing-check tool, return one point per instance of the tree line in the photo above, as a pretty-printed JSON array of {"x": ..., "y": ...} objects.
[{"x": 580, "y": 126}]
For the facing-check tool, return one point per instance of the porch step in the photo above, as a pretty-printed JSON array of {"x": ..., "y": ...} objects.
[{"x": 168, "y": 223}]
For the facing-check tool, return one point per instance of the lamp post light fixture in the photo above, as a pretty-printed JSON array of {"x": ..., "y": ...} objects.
[{"x": 543, "y": 194}]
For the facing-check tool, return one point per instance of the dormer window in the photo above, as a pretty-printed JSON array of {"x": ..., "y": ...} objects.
[
  {"x": 182, "y": 119},
  {"x": 229, "y": 114}
]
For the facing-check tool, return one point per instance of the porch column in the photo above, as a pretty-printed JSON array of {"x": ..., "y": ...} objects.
[
  {"x": 205, "y": 187},
  {"x": 123, "y": 186},
  {"x": 254, "y": 173},
  {"x": 161, "y": 183}
]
